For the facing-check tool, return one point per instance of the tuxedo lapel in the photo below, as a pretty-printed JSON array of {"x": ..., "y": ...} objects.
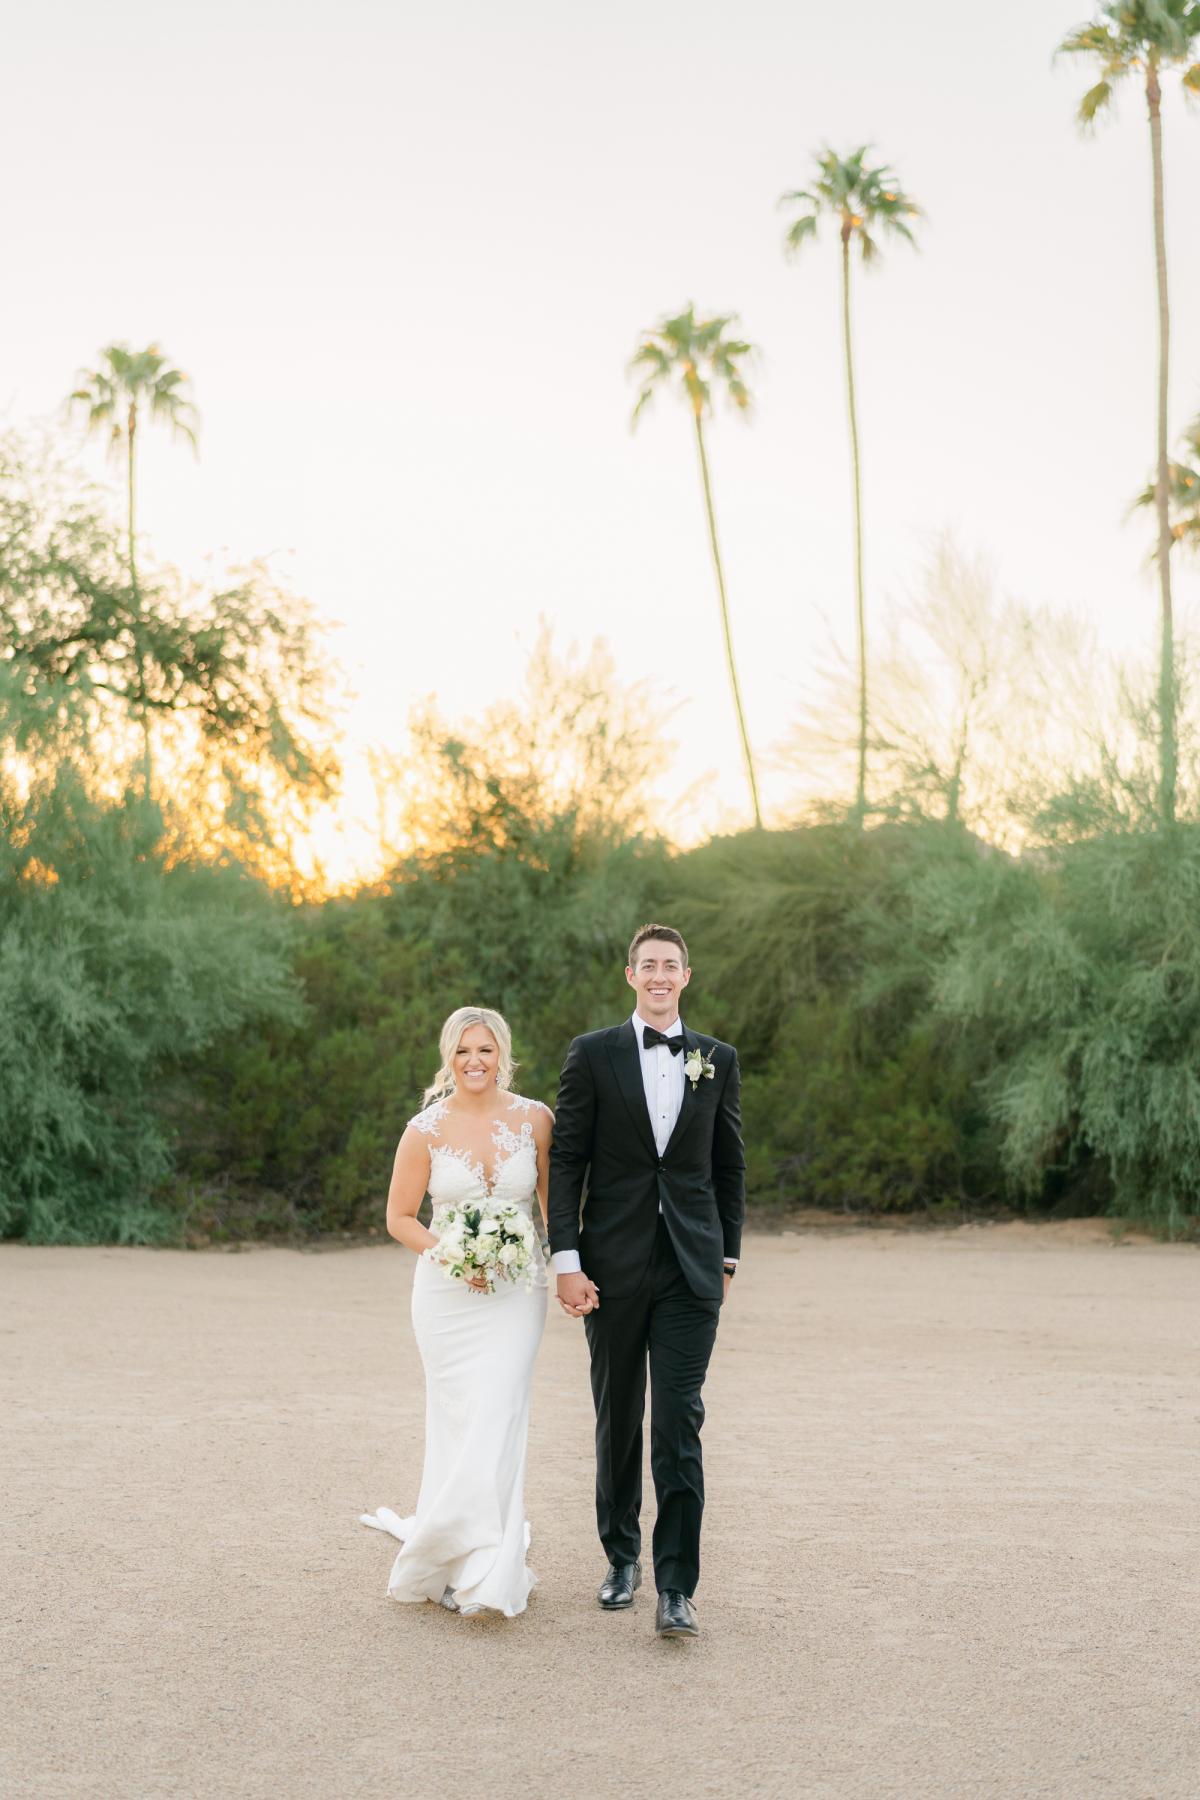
[{"x": 626, "y": 1060}]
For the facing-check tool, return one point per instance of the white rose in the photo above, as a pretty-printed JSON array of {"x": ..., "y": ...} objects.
[{"x": 509, "y": 1254}]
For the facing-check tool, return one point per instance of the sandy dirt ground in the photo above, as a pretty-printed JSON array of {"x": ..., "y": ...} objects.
[{"x": 951, "y": 1542}]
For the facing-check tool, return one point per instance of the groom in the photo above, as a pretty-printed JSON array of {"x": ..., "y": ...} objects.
[{"x": 649, "y": 1113}]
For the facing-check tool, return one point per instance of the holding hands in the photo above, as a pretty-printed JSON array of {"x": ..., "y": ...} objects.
[{"x": 577, "y": 1295}]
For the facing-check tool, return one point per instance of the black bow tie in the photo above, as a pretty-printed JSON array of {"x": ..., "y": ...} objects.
[{"x": 650, "y": 1037}]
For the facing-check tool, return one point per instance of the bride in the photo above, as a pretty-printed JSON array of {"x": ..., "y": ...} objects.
[{"x": 474, "y": 1144}]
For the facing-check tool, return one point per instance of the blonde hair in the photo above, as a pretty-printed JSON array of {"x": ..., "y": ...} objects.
[{"x": 458, "y": 1022}]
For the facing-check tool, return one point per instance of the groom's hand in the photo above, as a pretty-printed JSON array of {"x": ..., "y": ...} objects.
[{"x": 577, "y": 1295}]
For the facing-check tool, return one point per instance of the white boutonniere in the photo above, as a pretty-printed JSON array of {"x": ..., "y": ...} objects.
[{"x": 698, "y": 1067}]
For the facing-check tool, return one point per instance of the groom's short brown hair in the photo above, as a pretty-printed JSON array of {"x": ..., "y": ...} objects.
[{"x": 665, "y": 933}]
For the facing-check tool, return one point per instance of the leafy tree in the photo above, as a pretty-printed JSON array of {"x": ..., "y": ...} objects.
[
  {"x": 694, "y": 356},
  {"x": 130, "y": 935},
  {"x": 533, "y": 856},
  {"x": 1142, "y": 38},
  {"x": 950, "y": 710},
  {"x": 112, "y": 397},
  {"x": 575, "y": 745},
  {"x": 229, "y": 685},
  {"x": 864, "y": 200}
]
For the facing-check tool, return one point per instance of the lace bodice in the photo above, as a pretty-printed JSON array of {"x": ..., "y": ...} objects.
[{"x": 456, "y": 1178}]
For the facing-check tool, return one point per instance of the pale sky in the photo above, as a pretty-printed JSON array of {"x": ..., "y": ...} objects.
[{"x": 405, "y": 253}]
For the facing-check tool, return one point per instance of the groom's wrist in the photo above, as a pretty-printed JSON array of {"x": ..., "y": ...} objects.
[{"x": 566, "y": 1262}]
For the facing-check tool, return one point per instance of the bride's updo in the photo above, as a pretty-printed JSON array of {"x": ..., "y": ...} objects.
[{"x": 458, "y": 1022}]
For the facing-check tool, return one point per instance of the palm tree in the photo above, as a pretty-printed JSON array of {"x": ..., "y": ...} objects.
[
  {"x": 1183, "y": 491},
  {"x": 113, "y": 396},
  {"x": 695, "y": 355},
  {"x": 1143, "y": 37},
  {"x": 864, "y": 200}
]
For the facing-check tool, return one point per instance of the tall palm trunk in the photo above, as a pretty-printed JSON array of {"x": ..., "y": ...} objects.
[
  {"x": 860, "y": 793},
  {"x": 147, "y": 772},
  {"x": 1167, "y": 695},
  {"x": 725, "y": 626},
  {"x": 132, "y": 431}
]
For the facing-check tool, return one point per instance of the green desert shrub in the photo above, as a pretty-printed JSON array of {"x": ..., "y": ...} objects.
[
  {"x": 1083, "y": 966},
  {"x": 113, "y": 968},
  {"x": 812, "y": 955},
  {"x": 292, "y": 1126}
]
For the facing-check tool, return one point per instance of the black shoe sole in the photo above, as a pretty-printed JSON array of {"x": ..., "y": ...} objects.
[{"x": 683, "y": 1631}]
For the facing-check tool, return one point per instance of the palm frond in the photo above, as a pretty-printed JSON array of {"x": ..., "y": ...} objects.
[
  {"x": 800, "y": 229},
  {"x": 738, "y": 393},
  {"x": 648, "y": 351},
  {"x": 1094, "y": 39},
  {"x": 1183, "y": 492},
  {"x": 901, "y": 230},
  {"x": 1094, "y": 102},
  {"x": 644, "y": 399}
]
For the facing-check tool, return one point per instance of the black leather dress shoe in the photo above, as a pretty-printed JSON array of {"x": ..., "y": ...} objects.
[
  {"x": 676, "y": 1616},
  {"x": 620, "y": 1585}
]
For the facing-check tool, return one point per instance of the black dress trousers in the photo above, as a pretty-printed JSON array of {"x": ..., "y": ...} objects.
[{"x": 664, "y": 1323}]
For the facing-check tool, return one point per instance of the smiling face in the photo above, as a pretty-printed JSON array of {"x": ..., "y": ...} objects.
[
  {"x": 658, "y": 980},
  {"x": 476, "y": 1061}
]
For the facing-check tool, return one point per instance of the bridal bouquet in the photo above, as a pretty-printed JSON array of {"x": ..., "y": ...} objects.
[{"x": 498, "y": 1242}]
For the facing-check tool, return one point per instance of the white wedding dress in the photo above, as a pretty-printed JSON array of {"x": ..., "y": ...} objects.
[{"x": 465, "y": 1545}]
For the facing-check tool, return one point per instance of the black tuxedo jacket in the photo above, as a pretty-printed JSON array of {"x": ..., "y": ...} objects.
[{"x": 602, "y": 1132}]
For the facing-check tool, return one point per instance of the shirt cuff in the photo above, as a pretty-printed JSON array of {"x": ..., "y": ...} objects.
[
  {"x": 566, "y": 1262},
  {"x": 732, "y": 1261}
]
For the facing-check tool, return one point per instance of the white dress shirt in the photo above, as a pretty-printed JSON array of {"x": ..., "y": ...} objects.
[{"x": 663, "y": 1079}]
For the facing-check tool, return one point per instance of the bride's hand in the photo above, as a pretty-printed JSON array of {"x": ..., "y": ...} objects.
[
  {"x": 478, "y": 1281},
  {"x": 577, "y": 1295}
]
